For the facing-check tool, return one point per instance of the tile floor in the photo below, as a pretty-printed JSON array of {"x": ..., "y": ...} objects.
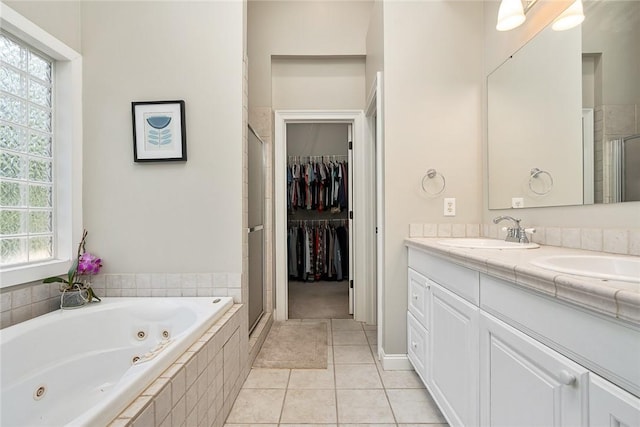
[{"x": 352, "y": 390}]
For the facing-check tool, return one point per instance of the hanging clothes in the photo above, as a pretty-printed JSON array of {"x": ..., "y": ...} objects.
[
  {"x": 318, "y": 250},
  {"x": 317, "y": 185}
]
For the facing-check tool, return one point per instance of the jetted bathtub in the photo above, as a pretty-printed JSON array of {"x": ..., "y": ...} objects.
[{"x": 83, "y": 367}]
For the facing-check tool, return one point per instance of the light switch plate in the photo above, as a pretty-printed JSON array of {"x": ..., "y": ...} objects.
[{"x": 450, "y": 206}]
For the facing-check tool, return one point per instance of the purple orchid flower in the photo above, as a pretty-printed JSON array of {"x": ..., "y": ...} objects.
[{"x": 89, "y": 264}]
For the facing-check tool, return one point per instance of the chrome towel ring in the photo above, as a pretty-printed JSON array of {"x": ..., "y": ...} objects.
[
  {"x": 433, "y": 180},
  {"x": 539, "y": 174}
]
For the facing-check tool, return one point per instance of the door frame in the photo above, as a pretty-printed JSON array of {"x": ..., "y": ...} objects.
[
  {"x": 375, "y": 122},
  {"x": 359, "y": 188}
]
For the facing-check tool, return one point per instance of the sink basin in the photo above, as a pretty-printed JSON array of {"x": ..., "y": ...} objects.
[
  {"x": 480, "y": 243},
  {"x": 597, "y": 266}
]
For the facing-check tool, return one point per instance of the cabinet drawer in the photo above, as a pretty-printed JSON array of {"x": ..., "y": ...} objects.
[
  {"x": 417, "y": 342},
  {"x": 459, "y": 280},
  {"x": 419, "y": 297}
]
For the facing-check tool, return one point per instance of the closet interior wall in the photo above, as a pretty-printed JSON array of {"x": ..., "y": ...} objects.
[{"x": 318, "y": 227}]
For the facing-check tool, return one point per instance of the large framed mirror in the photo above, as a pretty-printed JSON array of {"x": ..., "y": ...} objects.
[{"x": 564, "y": 114}]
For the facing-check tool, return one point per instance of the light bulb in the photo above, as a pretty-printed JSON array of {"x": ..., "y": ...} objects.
[
  {"x": 573, "y": 16},
  {"x": 510, "y": 15}
]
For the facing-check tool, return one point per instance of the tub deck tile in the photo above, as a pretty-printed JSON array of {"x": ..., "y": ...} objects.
[{"x": 136, "y": 407}]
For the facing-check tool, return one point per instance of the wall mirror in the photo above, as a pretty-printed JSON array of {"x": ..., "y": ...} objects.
[{"x": 564, "y": 114}]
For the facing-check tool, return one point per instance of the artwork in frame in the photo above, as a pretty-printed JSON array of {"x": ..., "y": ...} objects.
[{"x": 159, "y": 133}]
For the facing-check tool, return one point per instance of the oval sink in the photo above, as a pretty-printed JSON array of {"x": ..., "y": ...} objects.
[
  {"x": 480, "y": 243},
  {"x": 596, "y": 266}
]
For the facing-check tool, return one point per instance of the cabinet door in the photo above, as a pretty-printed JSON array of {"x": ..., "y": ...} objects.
[
  {"x": 525, "y": 383},
  {"x": 419, "y": 297},
  {"x": 453, "y": 370},
  {"x": 610, "y": 406}
]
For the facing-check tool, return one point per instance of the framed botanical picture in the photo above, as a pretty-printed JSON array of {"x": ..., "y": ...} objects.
[{"x": 159, "y": 131}]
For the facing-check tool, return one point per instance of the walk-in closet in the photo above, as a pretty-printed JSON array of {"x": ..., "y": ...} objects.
[{"x": 318, "y": 205}]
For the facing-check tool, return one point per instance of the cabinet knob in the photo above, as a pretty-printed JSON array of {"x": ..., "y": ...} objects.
[
  {"x": 414, "y": 344},
  {"x": 415, "y": 297},
  {"x": 567, "y": 378}
]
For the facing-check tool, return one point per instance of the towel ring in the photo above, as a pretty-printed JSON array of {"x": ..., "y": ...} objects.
[
  {"x": 536, "y": 174},
  {"x": 433, "y": 174}
]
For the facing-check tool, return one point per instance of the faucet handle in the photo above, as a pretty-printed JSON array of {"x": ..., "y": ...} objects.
[{"x": 530, "y": 230}]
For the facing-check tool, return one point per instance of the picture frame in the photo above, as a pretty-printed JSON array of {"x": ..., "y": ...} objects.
[{"x": 159, "y": 133}]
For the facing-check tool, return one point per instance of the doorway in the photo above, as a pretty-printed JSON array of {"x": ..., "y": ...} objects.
[
  {"x": 359, "y": 222},
  {"x": 318, "y": 206}
]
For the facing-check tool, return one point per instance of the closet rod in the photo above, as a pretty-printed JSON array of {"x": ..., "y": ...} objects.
[
  {"x": 319, "y": 220},
  {"x": 316, "y": 158}
]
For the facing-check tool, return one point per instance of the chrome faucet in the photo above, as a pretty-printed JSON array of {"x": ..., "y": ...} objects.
[{"x": 516, "y": 233}]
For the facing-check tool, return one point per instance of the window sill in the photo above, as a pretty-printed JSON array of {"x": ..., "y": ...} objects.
[{"x": 34, "y": 272}]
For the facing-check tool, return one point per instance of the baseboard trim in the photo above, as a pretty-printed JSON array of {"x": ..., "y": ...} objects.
[{"x": 394, "y": 362}]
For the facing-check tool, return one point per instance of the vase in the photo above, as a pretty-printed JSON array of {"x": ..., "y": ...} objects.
[{"x": 73, "y": 299}]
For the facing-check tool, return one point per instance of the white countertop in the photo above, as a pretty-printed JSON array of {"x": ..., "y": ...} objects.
[{"x": 609, "y": 297}]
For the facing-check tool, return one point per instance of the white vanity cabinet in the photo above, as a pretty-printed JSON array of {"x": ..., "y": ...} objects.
[
  {"x": 493, "y": 353},
  {"x": 525, "y": 383}
]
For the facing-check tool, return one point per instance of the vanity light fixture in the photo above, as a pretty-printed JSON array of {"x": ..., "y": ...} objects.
[
  {"x": 511, "y": 13},
  {"x": 572, "y": 17}
]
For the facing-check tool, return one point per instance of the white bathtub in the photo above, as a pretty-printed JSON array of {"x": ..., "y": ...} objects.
[{"x": 80, "y": 362}]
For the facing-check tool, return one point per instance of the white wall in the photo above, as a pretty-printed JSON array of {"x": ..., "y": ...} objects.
[
  {"x": 300, "y": 28},
  {"x": 318, "y": 83},
  {"x": 164, "y": 217},
  {"x": 375, "y": 44},
  {"x": 61, "y": 19},
  {"x": 317, "y": 139},
  {"x": 433, "y": 110},
  {"x": 498, "y": 46}
]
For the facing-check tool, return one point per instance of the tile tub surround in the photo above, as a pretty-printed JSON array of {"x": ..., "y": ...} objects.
[
  {"x": 616, "y": 299},
  {"x": 26, "y": 301},
  {"x": 201, "y": 386},
  {"x": 620, "y": 241},
  {"x": 352, "y": 390}
]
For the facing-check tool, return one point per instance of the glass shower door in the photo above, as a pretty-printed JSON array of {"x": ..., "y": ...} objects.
[{"x": 256, "y": 228}]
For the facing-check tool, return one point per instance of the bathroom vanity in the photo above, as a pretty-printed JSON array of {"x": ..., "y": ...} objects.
[{"x": 500, "y": 342}]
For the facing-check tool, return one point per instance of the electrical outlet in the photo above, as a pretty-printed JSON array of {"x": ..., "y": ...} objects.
[
  {"x": 450, "y": 206},
  {"x": 517, "y": 202}
]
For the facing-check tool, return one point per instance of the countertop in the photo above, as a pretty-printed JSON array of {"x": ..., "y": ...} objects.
[{"x": 617, "y": 299}]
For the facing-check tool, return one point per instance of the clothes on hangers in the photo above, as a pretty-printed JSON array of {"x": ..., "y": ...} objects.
[
  {"x": 318, "y": 251},
  {"x": 317, "y": 185}
]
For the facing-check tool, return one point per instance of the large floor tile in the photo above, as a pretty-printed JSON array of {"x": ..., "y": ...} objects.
[
  {"x": 309, "y": 406},
  {"x": 267, "y": 378},
  {"x": 250, "y": 425},
  {"x": 312, "y": 378},
  {"x": 367, "y": 425},
  {"x": 401, "y": 379},
  {"x": 363, "y": 406},
  {"x": 357, "y": 376},
  {"x": 414, "y": 406},
  {"x": 346, "y": 324},
  {"x": 424, "y": 425},
  {"x": 347, "y": 337},
  {"x": 308, "y": 425},
  {"x": 257, "y": 406},
  {"x": 352, "y": 354}
]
